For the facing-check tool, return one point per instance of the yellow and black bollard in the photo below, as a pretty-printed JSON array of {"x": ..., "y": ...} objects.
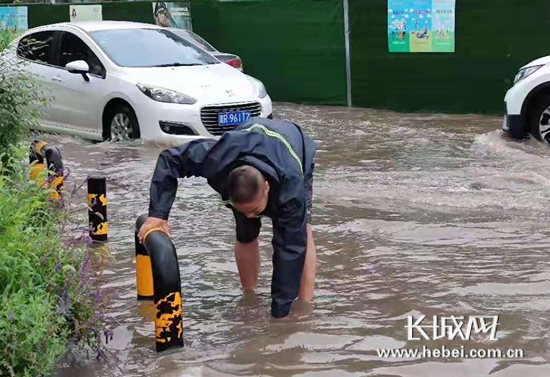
[
  {"x": 144, "y": 272},
  {"x": 54, "y": 164},
  {"x": 166, "y": 287},
  {"x": 36, "y": 159},
  {"x": 41, "y": 152},
  {"x": 97, "y": 212}
]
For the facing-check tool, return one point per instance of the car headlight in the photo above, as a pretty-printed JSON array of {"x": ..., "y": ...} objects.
[
  {"x": 260, "y": 87},
  {"x": 526, "y": 72},
  {"x": 165, "y": 95},
  {"x": 262, "y": 92}
]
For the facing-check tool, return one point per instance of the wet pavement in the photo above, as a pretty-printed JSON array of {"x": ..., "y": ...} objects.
[{"x": 413, "y": 215}]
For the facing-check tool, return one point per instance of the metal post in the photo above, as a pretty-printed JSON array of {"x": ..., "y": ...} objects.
[
  {"x": 348, "y": 51},
  {"x": 144, "y": 272},
  {"x": 167, "y": 289},
  {"x": 97, "y": 213}
]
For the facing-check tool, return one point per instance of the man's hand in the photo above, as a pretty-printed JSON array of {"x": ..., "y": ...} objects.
[{"x": 150, "y": 223}]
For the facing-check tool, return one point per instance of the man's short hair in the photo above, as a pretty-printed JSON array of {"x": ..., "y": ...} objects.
[{"x": 245, "y": 183}]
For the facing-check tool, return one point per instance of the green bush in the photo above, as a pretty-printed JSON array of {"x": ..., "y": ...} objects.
[
  {"x": 33, "y": 347},
  {"x": 21, "y": 97},
  {"x": 47, "y": 296}
]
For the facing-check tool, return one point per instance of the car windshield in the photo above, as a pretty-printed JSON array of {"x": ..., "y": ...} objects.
[
  {"x": 196, "y": 39},
  {"x": 150, "y": 48}
]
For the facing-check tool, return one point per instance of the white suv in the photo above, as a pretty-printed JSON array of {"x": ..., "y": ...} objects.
[
  {"x": 527, "y": 103},
  {"x": 121, "y": 80}
]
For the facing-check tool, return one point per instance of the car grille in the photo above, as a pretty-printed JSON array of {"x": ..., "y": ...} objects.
[{"x": 209, "y": 115}]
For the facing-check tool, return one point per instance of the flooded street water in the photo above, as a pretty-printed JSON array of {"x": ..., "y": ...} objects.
[{"x": 412, "y": 215}]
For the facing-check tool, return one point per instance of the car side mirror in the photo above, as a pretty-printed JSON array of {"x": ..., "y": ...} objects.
[{"x": 79, "y": 67}]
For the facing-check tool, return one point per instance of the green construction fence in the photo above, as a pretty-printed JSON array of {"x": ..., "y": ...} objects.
[
  {"x": 493, "y": 40},
  {"x": 297, "y": 48}
]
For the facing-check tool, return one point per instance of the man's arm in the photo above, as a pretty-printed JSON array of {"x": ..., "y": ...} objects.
[
  {"x": 179, "y": 162},
  {"x": 289, "y": 246}
]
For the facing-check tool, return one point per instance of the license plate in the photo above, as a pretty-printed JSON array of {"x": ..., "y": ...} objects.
[{"x": 233, "y": 118}]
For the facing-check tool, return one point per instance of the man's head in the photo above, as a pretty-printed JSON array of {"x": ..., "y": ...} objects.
[{"x": 248, "y": 190}]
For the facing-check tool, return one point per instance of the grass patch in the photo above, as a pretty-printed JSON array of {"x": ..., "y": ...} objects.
[
  {"x": 47, "y": 296},
  {"x": 48, "y": 301}
]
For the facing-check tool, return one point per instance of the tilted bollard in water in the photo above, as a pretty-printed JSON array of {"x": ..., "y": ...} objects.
[
  {"x": 54, "y": 163},
  {"x": 40, "y": 151},
  {"x": 166, "y": 286},
  {"x": 97, "y": 203}
]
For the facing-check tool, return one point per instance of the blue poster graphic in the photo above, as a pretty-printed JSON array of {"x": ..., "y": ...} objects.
[
  {"x": 444, "y": 25},
  {"x": 399, "y": 25},
  {"x": 174, "y": 15},
  {"x": 14, "y": 19},
  {"x": 421, "y": 21},
  {"x": 421, "y": 25}
]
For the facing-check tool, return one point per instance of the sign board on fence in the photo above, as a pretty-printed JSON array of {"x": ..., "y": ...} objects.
[
  {"x": 177, "y": 15},
  {"x": 421, "y": 25},
  {"x": 85, "y": 13},
  {"x": 14, "y": 19},
  {"x": 444, "y": 25}
]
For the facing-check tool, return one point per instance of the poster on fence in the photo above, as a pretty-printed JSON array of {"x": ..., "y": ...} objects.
[
  {"x": 176, "y": 15},
  {"x": 85, "y": 13},
  {"x": 421, "y": 25},
  {"x": 444, "y": 25},
  {"x": 13, "y": 19}
]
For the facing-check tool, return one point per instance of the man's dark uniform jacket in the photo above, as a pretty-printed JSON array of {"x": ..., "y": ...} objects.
[{"x": 284, "y": 154}]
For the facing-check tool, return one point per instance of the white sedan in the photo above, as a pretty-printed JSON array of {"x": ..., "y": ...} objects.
[{"x": 113, "y": 80}]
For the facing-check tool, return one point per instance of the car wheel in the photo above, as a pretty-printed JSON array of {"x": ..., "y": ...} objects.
[
  {"x": 539, "y": 119},
  {"x": 123, "y": 124}
]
